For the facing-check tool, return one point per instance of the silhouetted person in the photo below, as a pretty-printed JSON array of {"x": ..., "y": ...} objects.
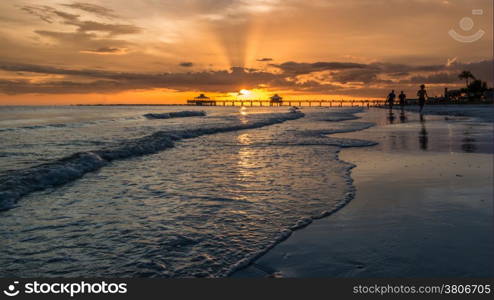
[
  {"x": 391, "y": 99},
  {"x": 422, "y": 94},
  {"x": 403, "y": 99}
]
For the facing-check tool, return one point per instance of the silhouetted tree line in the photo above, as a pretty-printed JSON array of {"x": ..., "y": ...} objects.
[{"x": 475, "y": 89}]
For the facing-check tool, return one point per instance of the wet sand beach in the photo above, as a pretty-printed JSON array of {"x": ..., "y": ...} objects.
[{"x": 423, "y": 206}]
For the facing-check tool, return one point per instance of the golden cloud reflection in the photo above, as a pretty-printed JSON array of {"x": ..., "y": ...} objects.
[{"x": 248, "y": 164}]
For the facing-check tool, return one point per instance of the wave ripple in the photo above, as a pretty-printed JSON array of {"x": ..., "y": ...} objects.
[{"x": 19, "y": 183}]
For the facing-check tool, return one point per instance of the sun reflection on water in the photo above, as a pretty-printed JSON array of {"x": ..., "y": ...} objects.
[
  {"x": 244, "y": 139},
  {"x": 243, "y": 115}
]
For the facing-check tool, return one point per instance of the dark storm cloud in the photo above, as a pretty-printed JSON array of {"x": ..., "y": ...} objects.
[{"x": 265, "y": 59}]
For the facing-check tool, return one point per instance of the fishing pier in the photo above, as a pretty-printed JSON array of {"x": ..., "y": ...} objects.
[
  {"x": 276, "y": 100},
  {"x": 309, "y": 103}
]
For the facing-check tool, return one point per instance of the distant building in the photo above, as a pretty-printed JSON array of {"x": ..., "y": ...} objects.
[
  {"x": 464, "y": 96},
  {"x": 454, "y": 94},
  {"x": 276, "y": 99},
  {"x": 201, "y": 100},
  {"x": 489, "y": 95},
  {"x": 202, "y": 96}
]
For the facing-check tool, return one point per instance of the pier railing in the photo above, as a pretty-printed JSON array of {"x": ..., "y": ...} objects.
[
  {"x": 329, "y": 103},
  {"x": 294, "y": 102}
]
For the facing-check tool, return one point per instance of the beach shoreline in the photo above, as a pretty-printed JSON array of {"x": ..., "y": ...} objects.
[{"x": 423, "y": 206}]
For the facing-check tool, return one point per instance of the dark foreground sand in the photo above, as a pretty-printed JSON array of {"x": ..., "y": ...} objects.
[{"x": 423, "y": 208}]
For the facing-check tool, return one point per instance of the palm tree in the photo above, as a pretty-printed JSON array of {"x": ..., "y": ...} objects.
[{"x": 466, "y": 75}]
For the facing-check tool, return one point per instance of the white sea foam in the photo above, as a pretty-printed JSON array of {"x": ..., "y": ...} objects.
[
  {"x": 19, "y": 183},
  {"x": 204, "y": 208}
]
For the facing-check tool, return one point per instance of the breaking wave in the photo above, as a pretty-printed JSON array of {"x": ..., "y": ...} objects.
[
  {"x": 19, "y": 183},
  {"x": 177, "y": 114}
]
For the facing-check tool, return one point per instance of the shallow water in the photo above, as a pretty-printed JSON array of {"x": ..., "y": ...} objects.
[
  {"x": 33, "y": 135},
  {"x": 422, "y": 207},
  {"x": 238, "y": 183},
  {"x": 404, "y": 131}
]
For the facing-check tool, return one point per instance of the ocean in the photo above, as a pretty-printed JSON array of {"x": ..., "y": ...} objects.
[{"x": 112, "y": 191}]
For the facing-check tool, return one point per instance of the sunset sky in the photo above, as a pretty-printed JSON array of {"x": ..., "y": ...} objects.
[{"x": 166, "y": 51}]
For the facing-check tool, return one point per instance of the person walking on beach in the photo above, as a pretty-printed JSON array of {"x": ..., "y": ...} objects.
[
  {"x": 422, "y": 94},
  {"x": 391, "y": 99},
  {"x": 402, "y": 98}
]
